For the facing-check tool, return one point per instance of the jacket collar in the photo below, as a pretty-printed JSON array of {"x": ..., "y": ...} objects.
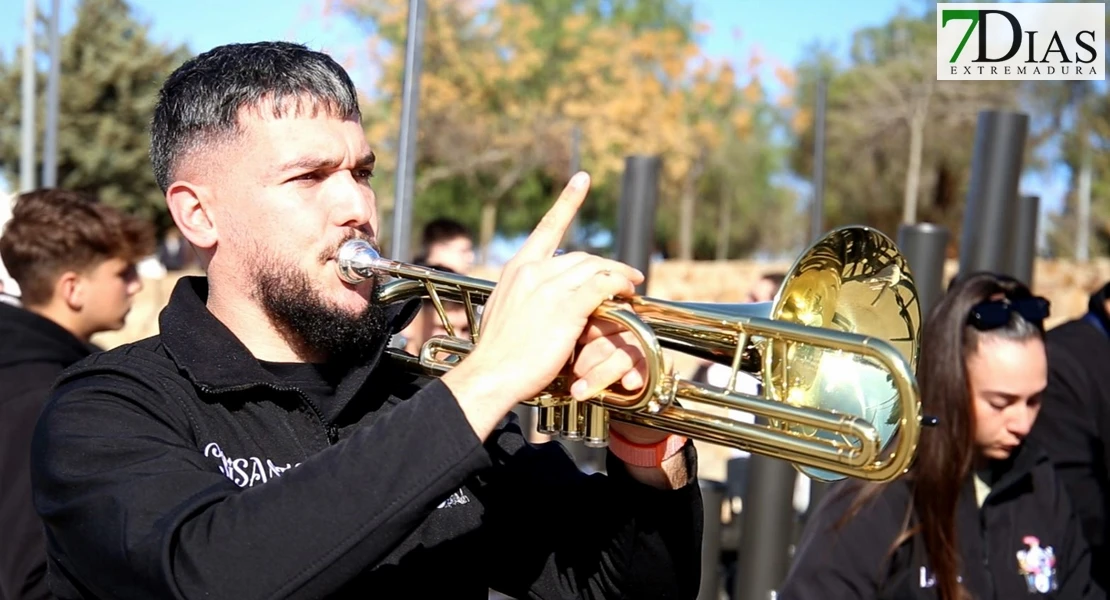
[
  {"x": 1005, "y": 477},
  {"x": 26, "y": 336},
  {"x": 213, "y": 358},
  {"x": 1096, "y": 308}
]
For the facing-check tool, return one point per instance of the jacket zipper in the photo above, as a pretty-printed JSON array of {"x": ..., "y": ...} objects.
[{"x": 331, "y": 431}]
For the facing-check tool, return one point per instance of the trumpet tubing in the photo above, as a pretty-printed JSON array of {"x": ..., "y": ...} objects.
[{"x": 834, "y": 352}]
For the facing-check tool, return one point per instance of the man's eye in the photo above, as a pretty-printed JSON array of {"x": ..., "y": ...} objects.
[{"x": 364, "y": 173}]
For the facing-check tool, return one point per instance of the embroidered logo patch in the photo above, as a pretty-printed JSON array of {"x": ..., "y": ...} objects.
[
  {"x": 246, "y": 472},
  {"x": 459, "y": 497},
  {"x": 1037, "y": 565}
]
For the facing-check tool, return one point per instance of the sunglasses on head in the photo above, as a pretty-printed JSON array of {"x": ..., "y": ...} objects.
[{"x": 993, "y": 314}]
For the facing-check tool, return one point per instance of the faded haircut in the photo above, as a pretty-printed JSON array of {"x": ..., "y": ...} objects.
[{"x": 200, "y": 102}]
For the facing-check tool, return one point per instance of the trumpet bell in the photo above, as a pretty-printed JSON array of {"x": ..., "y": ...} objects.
[{"x": 853, "y": 280}]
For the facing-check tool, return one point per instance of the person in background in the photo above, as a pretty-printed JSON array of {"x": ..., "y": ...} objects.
[
  {"x": 981, "y": 513},
  {"x": 1074, "y": 424},
  {"x": 717, "y": 374},
  {"x": 74, "y": 260},
  {"x": 448, "y": 243},
  {"x": 765, "y": 289},
  {"x": 174, "y": 252},
  {"x": 428, "y": 323}
]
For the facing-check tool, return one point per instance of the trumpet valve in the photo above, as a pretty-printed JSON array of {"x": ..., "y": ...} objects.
[
  {"x": 549, "y": 420},
  {"x": 596, "y": 426},
  {"x": 573, "y": 421}
]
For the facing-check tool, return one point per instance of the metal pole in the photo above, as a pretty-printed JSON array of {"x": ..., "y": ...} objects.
[
  {"x": 1023, "y": 241},
  {"x": 817, "y": 491},
  {"x": 995, "y": 173},
  {"x": 926, "y": 247},
  {"x": 50, "y": 145},
  {"x": 406, "y": 145},
  {"x": 712, "y": 576},
  {"x": 768, "y": 527},
  {"x": 816, "y": 223},
  {"x": 27, "y": 151},
  {"x": 636, "y": 225}
]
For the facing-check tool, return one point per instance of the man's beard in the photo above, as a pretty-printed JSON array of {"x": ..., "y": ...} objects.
[{"x": 311, "y": 324}]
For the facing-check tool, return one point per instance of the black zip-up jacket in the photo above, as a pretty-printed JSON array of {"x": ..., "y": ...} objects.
[
  {"x": 1027, "y": 515},
  {"x": 33, "y": 352},
  {"x": 178, "y": 467},
  {"x": 1074, "y": 423}
]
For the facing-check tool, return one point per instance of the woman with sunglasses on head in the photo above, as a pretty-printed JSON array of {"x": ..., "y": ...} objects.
[{"x": 980, "y": 514}]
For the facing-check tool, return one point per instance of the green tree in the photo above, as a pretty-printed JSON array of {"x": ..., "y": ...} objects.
[
  {"x": 110, "y": 73},
  {"x": 899, "y": 143},
  {"x": 1077, "y": 118}
]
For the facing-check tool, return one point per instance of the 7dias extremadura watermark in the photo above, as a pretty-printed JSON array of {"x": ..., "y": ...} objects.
[{"x": 1021, "y": 41}]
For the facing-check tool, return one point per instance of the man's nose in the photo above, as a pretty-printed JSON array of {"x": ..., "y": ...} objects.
[{"x": 354, "y": 204}]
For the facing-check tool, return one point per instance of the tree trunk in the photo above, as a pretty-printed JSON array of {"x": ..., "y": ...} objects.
[
  {"x": 686, "y": 212},
  {"x": 919, "y": 113},
  {"x": 724, "y": 227},
  {"x": 486, "y": 229},
  {"x": 488, "y": 224}
]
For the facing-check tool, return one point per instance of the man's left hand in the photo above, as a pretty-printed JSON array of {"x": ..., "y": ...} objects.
[{"x": 609, "y": 354}]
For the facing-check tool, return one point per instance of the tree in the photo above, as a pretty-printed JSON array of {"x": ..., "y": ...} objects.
[
  {"x": 110, "y": 72},
  {"x": 894, "y": 132},
  {"x": 505, "y": 84},
  {"x": 1077, "y": 118}
]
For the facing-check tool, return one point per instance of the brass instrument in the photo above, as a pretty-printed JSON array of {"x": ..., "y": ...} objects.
[{"x": 835, "y": 351}]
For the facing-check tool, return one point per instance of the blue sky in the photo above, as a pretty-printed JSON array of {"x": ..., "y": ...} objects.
[{"x": 781, "y": 29}]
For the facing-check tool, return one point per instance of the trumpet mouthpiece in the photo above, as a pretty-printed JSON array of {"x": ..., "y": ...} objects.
[{"x": 358, "y": 261}]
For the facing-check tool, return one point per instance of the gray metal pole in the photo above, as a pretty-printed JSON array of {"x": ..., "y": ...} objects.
[
  {"x": 1023, "y": 239},
  {"x": 50, "y": 145},
  {"x": 406, "y": 145},
  {"x": 925, "y": 246},
  {"x": 712, "y": 576},
  {"x": 768, "y": 525},
  {"x": 27, "y": 149},
  {"x": 816, "y": 223},
  {"x": 636, "y": 223},
  {"x": 995, "y": 173},
  {"x": 817, "y": 491}
]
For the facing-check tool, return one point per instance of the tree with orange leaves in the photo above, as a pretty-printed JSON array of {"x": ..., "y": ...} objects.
[{"x": 503, "y": 85}]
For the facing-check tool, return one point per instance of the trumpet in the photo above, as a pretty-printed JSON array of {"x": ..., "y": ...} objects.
[{"x": 835, "y": 354}]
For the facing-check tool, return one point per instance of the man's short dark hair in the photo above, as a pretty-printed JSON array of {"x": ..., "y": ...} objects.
[
  {"x": 443, "y": 230},
  {"x": 53, "y": 231},
  {"x": 200, "y": 102}
]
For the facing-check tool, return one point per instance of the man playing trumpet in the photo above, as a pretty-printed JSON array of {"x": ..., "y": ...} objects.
[{"x": 259, "y": 448}]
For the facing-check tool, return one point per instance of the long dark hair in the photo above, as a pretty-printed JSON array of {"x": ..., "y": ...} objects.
[{"x": 946, "y": 453}]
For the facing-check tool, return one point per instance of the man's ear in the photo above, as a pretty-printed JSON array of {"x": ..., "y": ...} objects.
[
  {"x": 191, "y": 208},
  {"x": 70, "y": 289}
]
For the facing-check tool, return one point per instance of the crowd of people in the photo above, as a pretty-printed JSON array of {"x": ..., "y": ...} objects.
[{"x": 258, "y": 446}]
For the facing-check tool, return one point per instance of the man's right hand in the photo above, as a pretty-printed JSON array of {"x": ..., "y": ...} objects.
[{"x": 536, "y": 316}]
